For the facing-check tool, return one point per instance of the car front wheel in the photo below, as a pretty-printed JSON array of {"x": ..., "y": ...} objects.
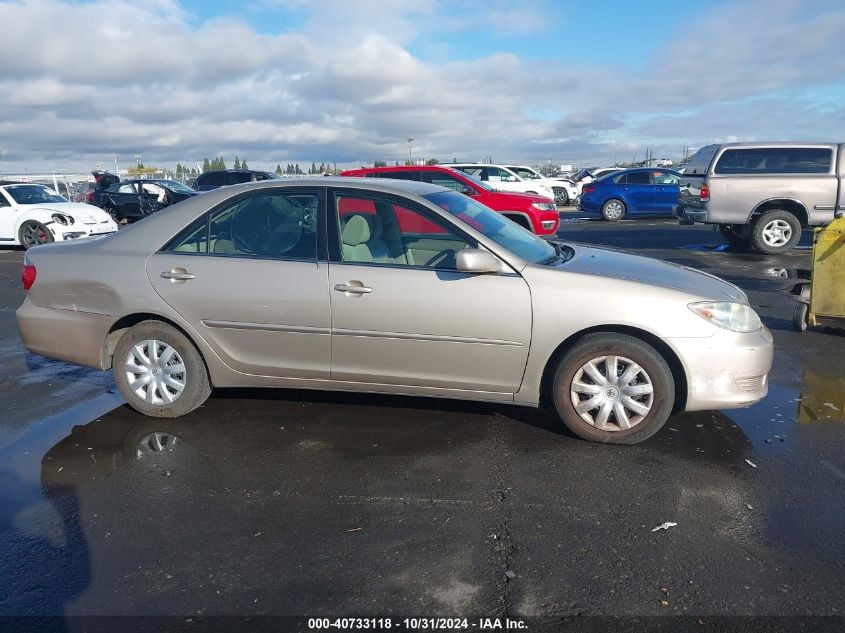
[
  {"x": 159, "y": 371},
  {"x": 33, "y": 233},
  {"x": 613, "y": 388}
]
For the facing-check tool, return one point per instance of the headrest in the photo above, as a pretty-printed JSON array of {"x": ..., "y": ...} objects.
[{"x": 355, "y": 231}]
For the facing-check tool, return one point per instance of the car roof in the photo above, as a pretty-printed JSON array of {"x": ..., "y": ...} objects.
[
  {"x": 3, "y": 183},
  {"x": 412, "y": 186},
  {"x": 764, "y": 144},
  {"x": 234, "y": 171}
]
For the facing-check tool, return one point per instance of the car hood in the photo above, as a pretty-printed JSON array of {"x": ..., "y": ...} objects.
[
  {"x": 85, "y": 213},
  {"x": 612, "y": 263}
]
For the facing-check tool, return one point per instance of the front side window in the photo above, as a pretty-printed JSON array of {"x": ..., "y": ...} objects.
[
  {"x": 237, "y": 177},
  {"x": 775, "y": 160},
  {"x": 212, "y": 179},
  {"x": 33, "y": 194},
  {"x": 444, "y": 179},
  {"x": 525, "y": 173},
  {"x": 665, "y": 178},
  {"x": 378, "y": 230},
  {"x": 272, "y": 225},
  {"x": 127, "y": 187},
  {"x": 496, "y": 174}
]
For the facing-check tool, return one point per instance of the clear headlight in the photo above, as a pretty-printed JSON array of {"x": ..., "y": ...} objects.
[
  {"x": 61, "y": 218},
  {"x": 544, "y": 206},
  {"x": 728, "y": 314}
]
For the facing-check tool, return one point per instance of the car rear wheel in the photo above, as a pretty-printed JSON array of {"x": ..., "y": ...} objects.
[
  {"x": 613, "y": 388},
  {"x": 613, "y": 210},
  {"x": 774, "y": 232},
  {"x": 33, "y": 233},
  {"x": 801, "y": 317},
  {"x": 159, "y": 371}
]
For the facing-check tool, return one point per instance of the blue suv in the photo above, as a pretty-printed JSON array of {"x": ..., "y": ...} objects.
[{"x": 634, "y": 192}]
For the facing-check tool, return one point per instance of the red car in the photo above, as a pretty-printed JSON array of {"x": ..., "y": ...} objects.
[{"x": 536, "y": 213}]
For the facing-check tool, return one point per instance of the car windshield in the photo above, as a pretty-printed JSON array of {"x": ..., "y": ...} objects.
[
  {"x": 493, "y": 225},
  {"x": 33, "y": 194},
  {"x": 175, "y": 186}
]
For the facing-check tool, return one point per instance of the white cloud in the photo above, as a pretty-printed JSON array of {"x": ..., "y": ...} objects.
[{"x": 82, "y": 81}]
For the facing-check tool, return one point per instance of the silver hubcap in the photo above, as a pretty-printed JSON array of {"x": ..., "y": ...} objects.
[
  {"x": 612, "y": 393},
  {"x": 613, "y": 210},
  {"x": 155, "y": 372},
  {"x": 777, "y": 233}
]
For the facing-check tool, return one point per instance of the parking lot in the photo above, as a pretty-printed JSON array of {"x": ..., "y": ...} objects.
[{"x": 311, "y": 503}]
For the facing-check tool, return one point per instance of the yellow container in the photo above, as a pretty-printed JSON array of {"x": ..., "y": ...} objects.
[{"x": 827, "y": 293}]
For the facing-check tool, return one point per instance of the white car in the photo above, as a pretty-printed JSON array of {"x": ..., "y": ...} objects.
[
  {"x": 32, "y": 214},
  {"x": 504, "y": 179},
  {"x": 564, "y": 189}
]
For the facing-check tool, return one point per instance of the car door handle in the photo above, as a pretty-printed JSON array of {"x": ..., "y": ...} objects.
[
  {"x": 355, "y": 287},
  {"x": 177, "y": 274}
]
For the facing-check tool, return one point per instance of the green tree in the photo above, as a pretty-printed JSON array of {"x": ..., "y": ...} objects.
[
  {"x": 432, "y": 161},
  {"x": 322, "y": 168},
  {"x": 297, "y": 169},
  {"x": 380, "y": 163},
  {"x": 279, "y": 171},
  {"x": 397, "y": 163},
  {"x": 237, "y": 162},
  {"x": 313, "y": 169},
  {"x": 244, "y": 165}
]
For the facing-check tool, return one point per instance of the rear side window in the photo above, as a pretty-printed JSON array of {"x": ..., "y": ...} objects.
[
  {"x": 398, "y": 175},
  {"x": 236, "y": 178},
  {"x": 212, "y": 179},
  {"x": 634, "y": 178},
  {"x": 700, "y": 161},
  {"x": 775, "y": 160}
]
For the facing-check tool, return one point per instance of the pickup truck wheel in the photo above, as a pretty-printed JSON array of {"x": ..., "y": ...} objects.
[
  {"x": 614, "y": 389},
  {"x": 159, "y": 371},
  {"x": 774, "y": 232},
  {"x": 728, "y": 233},
  {"x": 613, "y": 210}
]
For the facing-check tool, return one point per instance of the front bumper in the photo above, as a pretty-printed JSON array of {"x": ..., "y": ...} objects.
[
  {"x": 689, "y": 216},
  {"x": 63, "y": 232},
  {"x": 728, "y": 370}
]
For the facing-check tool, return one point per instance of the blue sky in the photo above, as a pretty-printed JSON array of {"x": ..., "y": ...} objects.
[{"x": 281, "y": 81}]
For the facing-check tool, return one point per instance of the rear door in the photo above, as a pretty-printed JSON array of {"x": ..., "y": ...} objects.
[
  {"x": 407, "y": 317},
  {"x": 638, "y": 191},
  {"x": 249, "y": 278}
]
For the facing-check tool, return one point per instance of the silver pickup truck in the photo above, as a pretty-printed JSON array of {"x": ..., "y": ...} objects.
[{"x": 763, "y": 194}]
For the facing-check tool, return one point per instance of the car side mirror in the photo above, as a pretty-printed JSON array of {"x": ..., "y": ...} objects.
[
  {"x": 477, "y": 261},
  {"x": 468, "y": 191}
]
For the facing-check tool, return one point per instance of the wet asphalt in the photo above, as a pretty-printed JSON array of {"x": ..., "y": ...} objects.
[{"x": 304, "y": 503}]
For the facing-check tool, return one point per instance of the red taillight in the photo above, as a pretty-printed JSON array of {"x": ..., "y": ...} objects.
[
  {"x": 588, "y": 188},
  {"x": 90, "y": 197},
  {"x": 705, "y": 192},
  {"x": 28, "y": 276}
]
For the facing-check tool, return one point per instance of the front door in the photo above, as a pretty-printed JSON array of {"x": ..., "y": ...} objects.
[
  {"x": 638, "y": 191},
  {"x": 666, "y": 191},
  {"x": 247, "y": 277},
  {"x": 401, "y": 312}
]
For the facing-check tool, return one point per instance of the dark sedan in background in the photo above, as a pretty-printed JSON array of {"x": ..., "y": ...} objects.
[
  {"x": 632, "y": 192},
  {"x": 209, "y": 180},
  {"x": 131, "y": 200}
]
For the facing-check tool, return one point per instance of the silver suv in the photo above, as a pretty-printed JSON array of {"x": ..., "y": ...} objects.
[{"x": 763, "y": 194}]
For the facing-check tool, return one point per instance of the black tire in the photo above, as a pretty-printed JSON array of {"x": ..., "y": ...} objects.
[
  {"x": 601, "y": 345},
  {"x": 761, "y": 241},
  {"x": 33, "y": 233},
  {"x": 610, "y": 212},
  {"x": 732, "y": 237},
  {"x": 801, "y": 317},
  {"x": 197, "y": 386},
  {"x": 562, "y": 198}
]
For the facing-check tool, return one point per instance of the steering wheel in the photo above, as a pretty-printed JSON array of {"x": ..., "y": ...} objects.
[{"x": 441, "y": 257}]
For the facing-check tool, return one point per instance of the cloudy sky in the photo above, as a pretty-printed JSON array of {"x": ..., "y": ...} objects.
[{"x": 278, "y": 81}]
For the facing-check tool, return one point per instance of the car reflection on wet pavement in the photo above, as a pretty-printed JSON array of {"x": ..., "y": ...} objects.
[{"x": 310, "y": 503}]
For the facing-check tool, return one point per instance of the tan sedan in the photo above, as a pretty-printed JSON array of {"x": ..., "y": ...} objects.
[{"x": 392, "y": 287}]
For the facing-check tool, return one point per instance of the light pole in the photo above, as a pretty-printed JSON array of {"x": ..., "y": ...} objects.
[
  {"x": 116, "y": 156},
  {"x": 410, "y": 140}
]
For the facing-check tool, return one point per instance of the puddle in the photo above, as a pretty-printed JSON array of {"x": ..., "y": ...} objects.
[
  {"x": 822, "y": 399},
  {"x": 788, "y": 273}
]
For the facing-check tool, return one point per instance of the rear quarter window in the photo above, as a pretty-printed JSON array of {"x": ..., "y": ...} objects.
[{"x": 775, "y": 160}]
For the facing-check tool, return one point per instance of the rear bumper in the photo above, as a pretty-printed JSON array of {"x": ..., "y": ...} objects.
[
  {"x": 69, "y": 335},
  {"x": 728, "y": 370},
  {"x": 690, "y": 216}
]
